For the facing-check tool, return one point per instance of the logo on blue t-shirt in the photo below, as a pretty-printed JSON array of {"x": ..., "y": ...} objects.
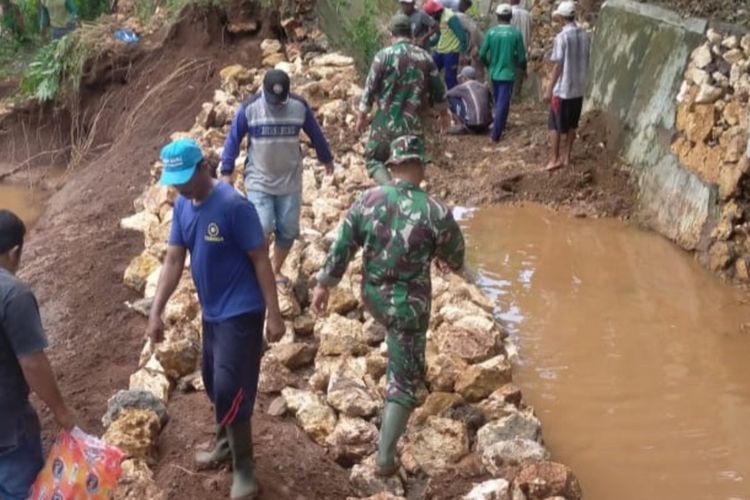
[{"x": 213, "y": 234}]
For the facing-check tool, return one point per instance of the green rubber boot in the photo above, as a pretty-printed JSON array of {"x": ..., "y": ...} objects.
[
  {"x": 206, "y": 459},
  {"x": 395, "y": 418},
  {"x": 244, "y": 484}
]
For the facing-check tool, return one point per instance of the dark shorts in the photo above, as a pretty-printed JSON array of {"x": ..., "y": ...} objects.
[{"x": 564, "y": 114}]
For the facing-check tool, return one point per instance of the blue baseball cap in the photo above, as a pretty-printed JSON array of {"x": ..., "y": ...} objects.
[{"x": 180, "y": 159}]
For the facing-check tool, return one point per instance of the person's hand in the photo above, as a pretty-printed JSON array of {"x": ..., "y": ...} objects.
[
  {"x": 329, "y": 168},
  {"x": 65, "y": 419},
  {"x": 320, "y": 298},
  {"x": 227, "y": 178},
  {"x": 443, "y": 266},
  {"x": 362, "y": 123},
  {"x": 548, "y": 94},
  {"x": 155, "y": 329},
  {"x": 444, "y": 122},
  {"x": 275, "y": 327}
]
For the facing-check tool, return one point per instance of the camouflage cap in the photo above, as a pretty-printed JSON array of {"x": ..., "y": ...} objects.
[
  {"x": 400, "y": 25},
  {"x": 405, "y": 148}
]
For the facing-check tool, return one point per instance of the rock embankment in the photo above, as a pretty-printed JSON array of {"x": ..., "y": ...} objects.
[
  {"x": 712, "y": 127},
  {"x": 329, "y": 372}
]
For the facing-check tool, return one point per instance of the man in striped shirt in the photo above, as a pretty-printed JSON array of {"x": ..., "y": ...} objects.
[
  {"x": 470, "y": 104},
  {"x": 570, "y": 54},
  {"x": 272, "y": 120}
]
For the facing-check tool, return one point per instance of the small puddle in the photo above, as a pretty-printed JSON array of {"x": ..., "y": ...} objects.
[
  {"x": 25, "y": 203},
  {"x": 631, "y": 353}
]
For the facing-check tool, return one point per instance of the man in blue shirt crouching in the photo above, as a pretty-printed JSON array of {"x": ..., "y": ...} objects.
[{"x": 235, "y": 284}]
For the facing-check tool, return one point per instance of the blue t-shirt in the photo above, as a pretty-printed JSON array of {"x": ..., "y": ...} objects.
[{"x": 219, "y": 234}]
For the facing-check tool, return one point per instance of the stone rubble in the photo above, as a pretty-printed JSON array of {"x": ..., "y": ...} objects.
[
  {"x": 330, "y": 370},
  {"x": 712, "y": 136}
]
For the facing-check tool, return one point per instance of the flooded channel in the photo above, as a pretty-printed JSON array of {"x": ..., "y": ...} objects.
[
  {"x": 24, "y": 202},
  {"x": 631, "y": 353}
]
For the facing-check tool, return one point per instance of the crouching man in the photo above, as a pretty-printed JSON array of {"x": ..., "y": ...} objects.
[
  {"x": 401, "y": 229},
  {"x": 235, "y": 284}
]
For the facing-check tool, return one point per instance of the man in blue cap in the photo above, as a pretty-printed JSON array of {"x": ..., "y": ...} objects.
[
  {"x": 272, "y": 120},
  {"x": 235, "y": 285}
]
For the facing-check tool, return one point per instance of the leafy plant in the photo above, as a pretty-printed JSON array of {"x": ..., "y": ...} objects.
[{"x": 364, "y": 34}]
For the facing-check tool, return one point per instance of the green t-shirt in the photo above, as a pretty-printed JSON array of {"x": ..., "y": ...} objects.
[{"x": 503, "y": 52}]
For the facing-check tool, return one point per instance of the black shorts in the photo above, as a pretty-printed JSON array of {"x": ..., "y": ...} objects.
[{"x": 564, "y": 114}]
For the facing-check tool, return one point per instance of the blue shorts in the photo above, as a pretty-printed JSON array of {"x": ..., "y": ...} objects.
[
  {"x": 19, "y": 466},
  {"x": 279, "y": 214}
]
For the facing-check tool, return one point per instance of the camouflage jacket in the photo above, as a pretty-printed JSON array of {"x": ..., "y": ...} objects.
[
  {"x": 400, "y": 229},
  {"x": 403, "y": 80}
]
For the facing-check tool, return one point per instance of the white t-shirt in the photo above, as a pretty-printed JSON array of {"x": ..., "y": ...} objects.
[
  {"x": 522, "y": 20},
  {"x": 571, "y": 49}
]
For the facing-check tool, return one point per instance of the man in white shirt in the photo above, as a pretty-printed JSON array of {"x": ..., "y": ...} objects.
[{"x": 570, "y": 54}]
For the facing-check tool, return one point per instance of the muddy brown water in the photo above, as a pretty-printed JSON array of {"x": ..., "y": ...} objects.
[
  {"x": 25, "y": 203},
  {"x": 632, "y": 354}
]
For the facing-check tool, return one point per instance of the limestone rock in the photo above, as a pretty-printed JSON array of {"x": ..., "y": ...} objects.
[
  {"x": 140, "y": 221},
  {"x": 138, "y": 271},
  {"x": 332, "y": 59},
  {"x": 191, "y": 383},
  {"x": 316, "y": 418},
  {"x": 374, "y": 332},
  {"x": 733, "y": 143},
  {"x": 134, "y": 400},
  {"x": 734, "y": 56},
  {"x": 157, "y": 196},
  {"x": 542, "y": 480},
  {"x": 512, "y": 452},
  {"x": 472, "y": 346},
  {"x": 702, "y": 56},
  {"x": 434, "y": 405},
  {"x": 274, "y": 376},
  {"x": 155, "y": 382},
  {"x": 501, "y": 403},
  {"x": 348, "y": 393},
  {"x": 235, "y": 75},
  {"x": 713, "y": 36},
  {"x": 294, "y": 355},
  {"x": 516, "y": 425},
  {"x": 733, "y": 113},
  {"x": 339, "y": 335},
  {"x": 700, "y": 123},
  {"x": 366, "y": 482},
  {"x": 304, "y": 325},
  {"x": 494, "y": 489},
  {"x": 270, "y": 46},
  {"x": 273, "y": 59},
  {"x": 135, "y": 432},
  {"x": 745, "y": 44},
  {"x": 376, "y": 365},
  {"x": 697, "y": 76},
  {"x": 207, "y": 116},
  {"x": 443, "y": 370},
  {"x": 730, "y": 42},
  {"x": 352, "y": 440},
  {"x": 384, "y": 495},
  {"x": 719, "y": 256},
  {"x": 708, "y": 94},
  {"x": 333, "y": 112},
  {"x": 288, "y": 304},
  {"x": 136, "y": 482},
  {"x": 342, "y": 299},
  {"x": 479, "y": 381},
  {"x": 179, "y": 358},
  {"x": 742, "y": 269},
  {"x": 313, "y": 258},
  {"x": 438, "y": 444},
  {"x": 151, "y": 283},
  {"x": 277, "y": 407}
]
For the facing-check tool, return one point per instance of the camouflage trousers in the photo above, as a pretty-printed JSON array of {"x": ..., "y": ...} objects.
[{"x": 406, "y": 365}]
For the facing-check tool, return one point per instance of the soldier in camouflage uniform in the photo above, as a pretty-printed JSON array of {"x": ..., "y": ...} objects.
[
  {"x": 404, "y": 81},
  {"x": 401, "y": 229}
]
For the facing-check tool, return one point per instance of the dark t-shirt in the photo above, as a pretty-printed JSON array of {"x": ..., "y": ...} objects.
[
  {"x": 421, "y": 23},
  {"x": 21, "y": 334}
]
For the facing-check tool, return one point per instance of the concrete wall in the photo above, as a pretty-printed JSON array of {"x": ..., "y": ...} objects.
[{"x": 638, "y": 60}]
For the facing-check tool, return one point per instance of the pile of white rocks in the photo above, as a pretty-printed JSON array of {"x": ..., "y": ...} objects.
[
  {"x": 329, "y": 372},
  {"x": 712, "y": 127}
]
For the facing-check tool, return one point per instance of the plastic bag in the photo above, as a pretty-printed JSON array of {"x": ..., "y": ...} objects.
[{"x": 79, "y": 466}]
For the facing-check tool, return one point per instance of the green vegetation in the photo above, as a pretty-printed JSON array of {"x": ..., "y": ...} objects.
[
  {"x": 357, "y": 26},
  {"x": 365, "y": 35}
]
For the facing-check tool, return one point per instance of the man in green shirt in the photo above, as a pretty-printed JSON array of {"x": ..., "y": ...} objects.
[
  {"x": 400, "y": 229},
  {"x": 503, "y": 52}
]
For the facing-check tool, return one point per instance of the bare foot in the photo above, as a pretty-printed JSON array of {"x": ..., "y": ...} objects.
[
  {"x": 566, "y": 161},
  {"x": 553, "y": 165}
]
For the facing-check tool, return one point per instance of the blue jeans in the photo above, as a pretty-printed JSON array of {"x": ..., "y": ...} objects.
[
  {"x": 19, "y": 466},
  {"x": 279, "y": 214},
  {"x": 230, "y": 365},
  {"x": 502, "y": 91},
  {"x": 449, "y": 63}
]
